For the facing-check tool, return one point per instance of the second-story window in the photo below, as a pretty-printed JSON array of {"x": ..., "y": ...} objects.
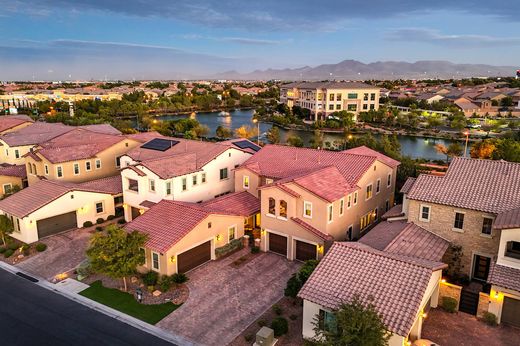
[
  {"x": 307, "y": 209},
  {"x": 341, "y": 206},
  {"x": 389, "y": 180},
  {"x": 98, "y": 164},
  {"x": 272, "y": 206},
  {"x": 459, "y": 221},
  {"x": 152, "y": 185},
  {"x": 133, "y": 185},
  {"x": 425, "y": 213},
  {"x": 355, "y": 198},
  {"x": 246, "y": 182},
  {"x": 349, "y": 201},
  {"x": 203, "y": 177},
  {"x": 46, "y": 168},
  {"x": 118, "y": 161},
  {"x": 168, "y": 188},
  {"x": 17, "y": 153},
  {"x": 184, "y": 184},
  {"x": 513, "y": 249},
  {"x": 76, "y": 168},
  {"x": 378, "y": 186},
  {"x": 369, "y": 192},
  {"x": 59, "y": 171},
  {"x": 487, "y": 222},
  {"x": 330, "y": 211},
  {"x": 194, "y": 179},
  {"x": 87, "y": 166},
  {"x": 283, "y": 209},
  {"x": 223, "y": 173}
]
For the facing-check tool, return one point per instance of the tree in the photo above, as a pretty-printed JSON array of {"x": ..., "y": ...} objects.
[
  {"x": 483, "y": 149},
  {"x": 434, "y": 120},
  {"x": 355, "y": 323},
  {"x": 455, "y": 149},
  {"x": 245, "y": 132},
  {"x": 295, "y": 141},
  {"x": 201, "y": 130},
  {"x": 506, "y": 101},
  {"x": 116, "y": 253},
  {"x": 273, "y": 135},
  {"x": 223, "y": 132},
  {"x": 6, "y": 227}
]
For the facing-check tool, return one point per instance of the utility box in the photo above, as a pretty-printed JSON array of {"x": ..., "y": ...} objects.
[{"x": 265, "y": 337}]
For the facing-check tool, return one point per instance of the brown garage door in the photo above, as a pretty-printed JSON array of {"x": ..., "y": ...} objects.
[
  {"x": 56, "y": 224},
  {"x": 305, "y": 251},
  {"x": 278, "y": 244},
  {"x": 511, "y": 312},
  {"x": 194, "y": 257}
]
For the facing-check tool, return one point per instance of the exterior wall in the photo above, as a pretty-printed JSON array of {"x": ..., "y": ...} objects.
[
  {"x": 496, "y": 299},
  {"x": 432, "y": 295},
  {"x": 200, "y": 234},
  {"x": 7, "y": 153},
  {"x": 84, "y": 203},
  {"x": 471, "y": 239},
  {"x": 508, "y": 235},
  {"x": 7, "y": 180},
  {"x": 483, "y": 304},
  {"x": 450, "y": 290},
  {"x": 108, "y": 165},
  {"x": 255, "y": 181}
]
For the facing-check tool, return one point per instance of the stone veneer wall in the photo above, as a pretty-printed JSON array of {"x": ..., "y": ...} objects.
[
  {"x": 483, "y": 304},
  {"x": 449, "y": 290}
]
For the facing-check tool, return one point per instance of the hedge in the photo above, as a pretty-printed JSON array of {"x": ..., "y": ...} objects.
[{"x": 233, "y": 245}]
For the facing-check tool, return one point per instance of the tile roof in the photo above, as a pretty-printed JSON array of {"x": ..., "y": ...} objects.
[
  {"x": 144, "y": 137},
  {"x": 505, "y": 277},
  {"x": 172, "y": 166},
  {"x": 395, "y": 211},
  {"x": 329, "y": 85},
  {"x": 43, "y": 192},
  {"x": 311, "y": 229},
  {"x": 396, "y": 283},
  {"x": 366, "y": 151},
  {"x": 382, "y": 234},
  {"x": 237, "y": 203},
  {"x": 8, "y": 122},
  {"x": 484, "y": 185},
  {"x": 408, "y": 185},
  {"x": 13, "y": 171},
  {"x": 106, "y": 129},
  {"x": 508, "y": 219},
  {"x": 147, "y": 204}
]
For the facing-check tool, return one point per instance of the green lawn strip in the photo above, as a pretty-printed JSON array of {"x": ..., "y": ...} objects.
[{"x": 126, "y": 303}]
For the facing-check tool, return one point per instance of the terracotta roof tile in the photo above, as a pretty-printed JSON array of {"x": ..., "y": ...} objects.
[
  {"x": 508, "y": 219},
  {"x": 505, "y": 277},
  {"x": 8, "y": 122},
  {"x": 366, "y": 151},
  {"x": 382, "y": 234},
  {"x": 484, "y": 185},
  {"x": 311, "y": 229},
  {"x": 395, "y": 211},
  {"x": 237, "y": 203},
  {"x": 36, "y": 133},
  {"x": 408, "y": 185},
  {"x": 13, "y": 171},
  {"x": 396, "y": 283}
]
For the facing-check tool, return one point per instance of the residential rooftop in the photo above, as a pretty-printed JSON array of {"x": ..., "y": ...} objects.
[{"x": 329, "y": 85}]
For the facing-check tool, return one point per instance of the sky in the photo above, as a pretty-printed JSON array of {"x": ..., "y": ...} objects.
[{"x": 169, "y": 39}]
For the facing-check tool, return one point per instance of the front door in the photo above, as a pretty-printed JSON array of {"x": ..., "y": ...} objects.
[{"x": 481, "y": 267}]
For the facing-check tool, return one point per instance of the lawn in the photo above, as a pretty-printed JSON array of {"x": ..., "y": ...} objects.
[{"x": 127, "y": 304}]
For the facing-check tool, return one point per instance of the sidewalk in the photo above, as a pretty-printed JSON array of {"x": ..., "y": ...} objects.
[{"x": 67, "y": 290}]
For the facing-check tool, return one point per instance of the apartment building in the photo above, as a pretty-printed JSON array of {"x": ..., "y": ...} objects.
[
  {"x": 324, "y": 98},
  {"x": 310, "y": 198},
  {"x": 181, "y": 170}
]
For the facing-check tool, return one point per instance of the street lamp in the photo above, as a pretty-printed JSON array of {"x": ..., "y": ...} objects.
[
  {"x": 255, "y": 121},
  {"x": 466, "y": 133}
]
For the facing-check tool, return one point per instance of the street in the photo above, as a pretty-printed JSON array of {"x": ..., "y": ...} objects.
[{"x": 32, "y": 315}]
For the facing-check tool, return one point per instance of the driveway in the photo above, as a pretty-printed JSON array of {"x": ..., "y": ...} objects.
[
  {"x": 465, "y": 330},
  {"x": 225, "y": 300},
  {"x": 64, "y": 252}
]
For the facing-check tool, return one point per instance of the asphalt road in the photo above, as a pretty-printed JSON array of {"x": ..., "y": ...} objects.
[{"x": 32, "y": 315}]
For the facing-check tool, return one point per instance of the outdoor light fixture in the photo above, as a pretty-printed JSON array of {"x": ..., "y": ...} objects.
[
  {"x": 424, "y": 315},
  {"x": 141, "y": 211},
  {"x": 497, "y": 294},
  {"x": 172, "y": 259},
  {"x": 443, "y": 281},
  {"x": 218, "y": 237}
]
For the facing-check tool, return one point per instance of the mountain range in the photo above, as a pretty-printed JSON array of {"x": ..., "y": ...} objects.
[{"x": 356, "y": 70}]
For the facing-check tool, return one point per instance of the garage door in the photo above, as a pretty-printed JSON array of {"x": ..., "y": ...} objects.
[
  {"x": 511, "y": 311},
  {"x": 194, "y": 257},
  {"x": 278, "y": 244},
  {"x": 305, "y": 251},
  {"x": 56, "y": 224}
]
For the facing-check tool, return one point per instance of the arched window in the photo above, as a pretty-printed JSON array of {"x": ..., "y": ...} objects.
[
  {"x": 272, "y": 206},
  {"x": 29, "y": 167},
  {"x": 283, "y": 208}
]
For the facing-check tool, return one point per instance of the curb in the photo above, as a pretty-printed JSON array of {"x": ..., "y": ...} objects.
[{"x": 134, "y": 322}]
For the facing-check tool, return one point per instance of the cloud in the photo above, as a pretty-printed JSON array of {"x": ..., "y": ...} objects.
[
  {"x": 239, "y": 40},
  {"x": 271, "y": 15},
  {"x": 434, "y": 37}
]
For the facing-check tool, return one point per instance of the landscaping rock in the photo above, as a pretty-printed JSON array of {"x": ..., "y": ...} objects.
[{"x": 133, "y": 279}]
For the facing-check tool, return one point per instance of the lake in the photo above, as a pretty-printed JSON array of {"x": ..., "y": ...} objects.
[{"x": 416, "y": 147}]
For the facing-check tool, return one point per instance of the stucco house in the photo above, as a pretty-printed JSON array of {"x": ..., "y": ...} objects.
[
  {"x": 184, "y": 235},
  {"x": 11, "y": 176},
  {"x": 310, "y": 198},
  {"x": 10, "y": 123},
  {"x": 49, "y": 207},
  {"x": 181, "y": 170}
]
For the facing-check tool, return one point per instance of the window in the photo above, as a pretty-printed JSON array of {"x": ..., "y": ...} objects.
[
  {"x": 209, "y": 225},
  {"x": 59, "y": 171},
  {"x": 338, "y": 106},
  {"x": 168, "y": 188},
  {"x": 231, "y": 233},
  {"x": 349, "y": 201},
  {"x": 46, "y": 168},
  {"x": 99, "y": 207},
  {"x": 151, "y": 185},
  {"x": 194, "y": 179},
  {"x": 307, "y": 209},
  {"x": 459, "y": 221},
  {"x": 155, "y": 261},
  {"x": 369, "y": 192},
  {"x": 330, "y": 210},
  {"x": 352, "y": 96},
  {"x": 331, "y": 107},
  {"x": 349, "y": 232},
  {"x": 272, "y": 206},
  {"x": 223, "y": 173},
  {"x": 133, "y": 185},
  {"x": 341, "y": 206},
  {"x": 268, "y": 181},
  {"x": 76, "y": 168},
  {"x": 372, "y": 97},
  {"x": 372, "y": 107},
  {"x": 338, "y": 97},
  {"x": 378, "y": 186},
  {"x": 17, "y": 153},
  {"x": 355, "y": 198},
  {"x": 487, "y": 222},
  {"x": 98, "y": 164},
  {"x": 88, "y": 166},
  {"x": 245, "y": 182},
  {"x": 331, "y": 97},
  {"x": 327, "y": 321},
  {"x": 7, "y": 189},
  {"x": 425, "y": 213},
  {"x": 184, "y": 184},
  {"x": 118, "y": 161},
  {"x": 367, "y": 219},
  {"x": 389, "y": 180},
  {"x": 203, "y": 177},
  {"x": 365, "y": 97},
  {"x": 365, "y": 106},
  {"x": 352, "y": 108},
  {"x": 142, "y": 251},
  {"x": 513, "y": 249},
  {"x": 283, "y": 209}
]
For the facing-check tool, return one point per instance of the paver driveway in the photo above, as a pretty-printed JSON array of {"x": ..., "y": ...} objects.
[
  {"x": 225, "y": 300},
  {"x": 64, "y": 252}
]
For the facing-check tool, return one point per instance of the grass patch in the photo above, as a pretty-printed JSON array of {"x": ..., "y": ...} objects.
[{"x": 126, "y": 303}]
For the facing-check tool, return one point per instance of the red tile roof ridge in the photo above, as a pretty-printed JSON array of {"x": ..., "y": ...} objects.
[{"x": 311, "y": 229}]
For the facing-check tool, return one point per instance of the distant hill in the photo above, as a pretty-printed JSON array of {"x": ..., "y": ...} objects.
[{"x": 352, "y": 69}]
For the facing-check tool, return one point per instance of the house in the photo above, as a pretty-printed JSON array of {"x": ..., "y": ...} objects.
[
  {"x": 401, "y": 287},
  {"x": 78, "y": 155},
  {"x": 49, "y": 207},
  {"x": 183, "y": 235},
  {"x": 430, "y": 98},
  {"x": 181, "y": 170},
  {"x": 11, "y": 176},
  {"x": 310, "y": 198},
  {"x": 504, "y": 274},
  {"x": 10, "y": 123},
  {"x": 462, "y": 206}
]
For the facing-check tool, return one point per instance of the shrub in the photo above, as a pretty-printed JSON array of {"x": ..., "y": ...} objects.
[
  {"x": 489, "y": 318},
  {"x": 111, "y": 217},
  {"x": 449, "y": 304},
  {"x": 295, "y": 283},
  {"x": 2, "y": 249},
  {"x": 150, "y": 278},
  {"x": 100, "y": 220},
  {"x": 293, "y": 286},
  {"x": 99, "y": 229},
  {"x": 8, "y": 253},
  {"x": 165, "y": 282},
  {"x": 280, "y": 326},
  {"x": 179, "y": 278},
  {"x": 26, "y": 249},
  {"x": 121, "y": 221},
  {"x": 277, "y": 309},
  {"x": 249, "y": 337},
  {"x": 262, "y": 323},
  {"x": 255, "y": 249},
  {"x": 233, "y": 245},
  {"x": 87, "y": 224},
  {"x": 293, "y": 317},
  {"x": 40, "y": 247},
  {"x": 13, "y": 246}
]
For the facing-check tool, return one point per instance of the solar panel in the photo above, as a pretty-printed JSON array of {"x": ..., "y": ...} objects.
[
  {"x": 247, "y": 145},
  {"x": 159, "y": 144}
]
